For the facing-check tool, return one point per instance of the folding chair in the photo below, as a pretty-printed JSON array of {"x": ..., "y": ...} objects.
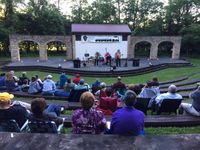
[
  {"x": 44, "y": 127},
  {"x": 168, "y": 106},
  {"x": 142, "y": 104},
  {"x": 9, "y": 126}
]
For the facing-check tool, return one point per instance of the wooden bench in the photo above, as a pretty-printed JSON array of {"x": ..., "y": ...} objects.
[{"x": 157, "y": 120}]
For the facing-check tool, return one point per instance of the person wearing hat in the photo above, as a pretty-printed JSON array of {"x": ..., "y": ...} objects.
[
  {"x": 194, "y": 108},
  {"x": 10, "y": 111},
  {"x": 82, "y": 85},
  {"x": 119, "y": 86},
  {"x": 128, "y": 120},
  {"x": 49, "y": 86}
]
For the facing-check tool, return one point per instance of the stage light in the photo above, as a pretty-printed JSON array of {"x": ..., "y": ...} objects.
[{"x": 59, "y": 66}]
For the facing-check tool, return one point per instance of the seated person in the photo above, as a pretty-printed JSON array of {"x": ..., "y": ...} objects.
[
  {"x": 148, "y": 91},
  {"x": 34, "y": 86},
  {"x": 76, "y": 79},
  {"x": 69, "y": 86},
  {"x": 171, "y": 94},
  {"x": 108, "y": 104},
  {"x": 194, "y": 108},
  {"x": 128, "y": 120},
  {"x": 39, "y": 81},
  {"x": 102, "y": 91},
  {"x": 88, "y": 120},
  {"x": 49, "y": 86},
  {"x": 9, "y": 111},
  {"x": 2, "y": 81},
  {"x": 25, "y": 86},
  {"x": 82, "y": 85},
  {"x": 10, "y": 83},
  {"x": 23, "y": 78},
  {"x": 62, "y": 81},
  {"x": 96, "y": 83},
  {"x": 135, "y": 88},
  {"x": 41, "y": 112},
  {"x": 119, "y": 86}
]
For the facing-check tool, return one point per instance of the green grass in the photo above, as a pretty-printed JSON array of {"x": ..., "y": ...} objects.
[{"x": 172, "y": 130}]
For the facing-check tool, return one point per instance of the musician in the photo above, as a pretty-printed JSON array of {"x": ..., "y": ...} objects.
[
  {"x": 118, "y": 58},
  {"x": 107, "y": 58},
  {"x": 96, "y": 59}
]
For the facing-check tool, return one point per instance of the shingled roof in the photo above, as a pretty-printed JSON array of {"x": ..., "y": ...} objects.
[{"x": 101, "y": 28}]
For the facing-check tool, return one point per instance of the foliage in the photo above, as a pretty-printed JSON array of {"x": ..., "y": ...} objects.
[{"x": 145, "y": 17}]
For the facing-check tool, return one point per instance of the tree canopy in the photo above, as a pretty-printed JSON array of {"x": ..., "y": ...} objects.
[{"x": 144, "y": 17}]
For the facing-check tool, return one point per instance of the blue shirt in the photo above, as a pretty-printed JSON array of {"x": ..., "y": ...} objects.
[{"x": 127, "y": 121}]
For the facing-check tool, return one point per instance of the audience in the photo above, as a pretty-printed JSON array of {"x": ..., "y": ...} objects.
[
  {"x": 82, "y": 85},
  {"x": 62, "y": 81},
  {"x": 148, "y": 91},
  {"x": 10, "y": 83},
  {"x": 119, "y": 86},
  {"x": 128, "y": 120},
  {"x": 10, "y": 111},
  {"x": 42, "y": 112},
  {"x": 2, "y": 81},
  {"x": 135, "y": 88},
  {"x": 34, "y": 86},
  {"x": 194, "y": 108},
  {"x": 88, "y": 120},
  {"x": 171, "y": 94},
  {"x": 49, "y": 86},
  {"x": 25, "y": 86},
  {"x": 76, "y": 79},
  {"x": 23, "y": 79},
  {"x": 102, "y": 92},
  {"x": 69, "y": 86}
]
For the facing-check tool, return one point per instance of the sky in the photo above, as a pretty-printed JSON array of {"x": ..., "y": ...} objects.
[{"x": 66, "y": 4}]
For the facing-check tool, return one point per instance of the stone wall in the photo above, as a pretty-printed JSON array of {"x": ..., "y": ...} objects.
[
  {"x": 41, "y": 41},
  {"x": 69, "y": 41},
  {"x": 155, "y": 41}
]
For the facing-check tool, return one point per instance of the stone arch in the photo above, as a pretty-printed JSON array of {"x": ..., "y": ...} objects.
[
  {"x": 144, "y": 47},
  {"x": 165, "y": 47},
  {"x": 155, "y": 40},
  {"x": 41, "y": 40},
  {"x": 58, "y": 44},
  {"x": 30, "y": 44}
]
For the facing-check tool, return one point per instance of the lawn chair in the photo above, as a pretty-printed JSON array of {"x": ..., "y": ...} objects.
[
  {"x": 168, "y": 106},
  {"x": 142, "y": 104},
  {"x": 11, "y": 126},
  {"x": 44, "y": 127}
]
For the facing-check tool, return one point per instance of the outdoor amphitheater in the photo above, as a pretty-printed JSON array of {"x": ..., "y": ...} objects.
[{"x": 117, "y": 83}]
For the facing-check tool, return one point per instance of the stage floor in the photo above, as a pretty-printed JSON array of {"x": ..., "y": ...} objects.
[
  {"x": 59, "y": 65},
  {"x": 56, "y": 62}
]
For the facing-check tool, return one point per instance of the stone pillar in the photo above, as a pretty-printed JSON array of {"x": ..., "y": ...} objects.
[
  {"x": 69, "y": 48},
  {"x": 131, "y": 47},
  {"x": 43, "y": 52},
  {"x": 154, "y": 51},
  {"x": 14, "y": 50},
  {"x": 73, "y": 47},
  {"x": 176, "y": 51}
]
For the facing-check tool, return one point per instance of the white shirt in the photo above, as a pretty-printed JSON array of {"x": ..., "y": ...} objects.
[
  {"x": 167, "y": 95},
  {"x": 49, "y": 85}
]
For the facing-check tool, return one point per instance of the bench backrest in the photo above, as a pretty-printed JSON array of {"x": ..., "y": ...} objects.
[{"x": 169, "y": 106}]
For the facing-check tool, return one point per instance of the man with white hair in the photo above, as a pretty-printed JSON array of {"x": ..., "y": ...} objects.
[
  {"x": 171, "y": 94},
  {"x": 194, "y": 108},
  {"x": 49, "y": 86}
]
